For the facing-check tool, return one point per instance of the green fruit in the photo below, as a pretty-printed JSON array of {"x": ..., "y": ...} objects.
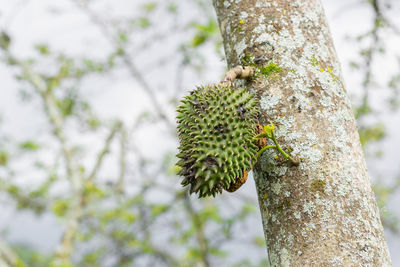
[{"x": 216, "y": 125}]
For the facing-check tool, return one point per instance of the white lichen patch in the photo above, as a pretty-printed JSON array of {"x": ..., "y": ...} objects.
[
  {"x": 290, "y": 239},
  {"x": 262, "y": 4},
  {"x": 344, "y": 245},
  {"x": 326, "y": 216},
  {"x": 268, "y": 102},
  {"x": 308, "y": 208},
  {"x": 326, "y": 101},
  {"x": 342, "y": 190},
  {"x": 299, "y": 252},
  {"x": 307, "y": 151},
  {"x": 367, "y": 253},
  {"x": 285, "y": 259},
  {"x": 312, "y": 137},
  {"x": 270, "y": 27},
  {"x": 276, "y": 188},
  {"x": 336, "y": 261},
  {"x": 284, "y": 127},
  {"x": 259, "y": 29},
  {"x": 240, "y": 47},
  {"x": 264, "y": 38},
  {"x": 297, "y": 214},
  {"x": 243, "y": 15}
]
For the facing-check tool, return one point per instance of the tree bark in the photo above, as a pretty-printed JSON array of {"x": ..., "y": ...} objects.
[{"x": 322, "y": 212}]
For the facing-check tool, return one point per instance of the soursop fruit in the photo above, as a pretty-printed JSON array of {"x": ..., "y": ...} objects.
[{"x": 216, "y": 125}]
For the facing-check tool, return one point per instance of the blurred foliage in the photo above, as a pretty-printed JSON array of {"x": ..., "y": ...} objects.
[
  {"x": 134, "y": 213},
  {"x": 204, "y": 32},
  {"x": 371, "y": 134},
  {"x": 374, "y": 47},
  {"x": 138, "y": 214}
]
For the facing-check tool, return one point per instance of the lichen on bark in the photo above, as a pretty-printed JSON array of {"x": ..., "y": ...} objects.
[{"x": 323, "y": 212}]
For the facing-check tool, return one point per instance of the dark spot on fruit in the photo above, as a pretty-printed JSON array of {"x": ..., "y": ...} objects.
[
  {"x": 241, "y": 110},
  {"x": 219, "y": 129},
  {"x": 210, "y": 161}
]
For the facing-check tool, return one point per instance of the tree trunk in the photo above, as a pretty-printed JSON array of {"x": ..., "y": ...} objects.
[{"x": 323, "y": 212}]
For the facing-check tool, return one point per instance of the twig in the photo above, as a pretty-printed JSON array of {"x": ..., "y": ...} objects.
[
  {"x": 8, "y": 258},
  {"x": 105, "y": 150},
  {"x": 122, "y": 163},
  {"x": 238, "y": 72},
  {"x": 286, "y": 155},
  {"x": 200, "y": 235}
]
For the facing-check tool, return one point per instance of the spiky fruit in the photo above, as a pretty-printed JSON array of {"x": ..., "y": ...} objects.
[{"x": 216, "y": 125}]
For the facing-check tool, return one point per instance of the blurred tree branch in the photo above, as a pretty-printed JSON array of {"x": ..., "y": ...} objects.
[
  {"x": 114, "y": 129},
  {"x": 133, "y": 69},
  {"x": 8, "y": 258}
]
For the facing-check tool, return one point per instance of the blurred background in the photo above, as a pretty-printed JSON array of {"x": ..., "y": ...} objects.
[{"x": 87, "y": 130}]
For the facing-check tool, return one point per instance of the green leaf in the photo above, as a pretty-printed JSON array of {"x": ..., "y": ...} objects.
[
  {"x": 66, "y": 106},
  {"x": 29, "y": 145},
  {"x": 198, "y": 39},
  {"x": 4, "y": 40},
  {"x": 13, "y": 190},
  {"x": 246, "y": 210},
  {"x": 3, "y": 158},
  {"x": 210, "y": 212},
  {"x": 269, "y": 128},
  {"x": 60, "y": 207},
  {"x": 158, "y": 209},
  {"x": 90, "y": 189},
  {"x": 219, "y": 253},
  {"x": 371, "y": 134},
  {"x": 203, "y": 32},
  {"x": 42, "y": 49},
  {"x": 364, "y": 109},
  {"x": 123, "y": 37},
  {"x": 173, "y": 8},
  {"x": 150, "y": 6},
  {"x": 93, "y": 122},
  {"x": 259, "y": 241},
  {"x": 141, "y": 22},
  {"x": 96, "y": 66}
]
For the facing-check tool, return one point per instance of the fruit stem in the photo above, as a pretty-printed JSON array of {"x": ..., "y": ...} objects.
[
  {"x": 259, "y": 153},
  {"x": 278, "y": 147}
]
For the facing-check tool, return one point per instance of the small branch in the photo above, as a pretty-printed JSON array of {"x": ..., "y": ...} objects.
[
  {"x": 8, "y": 258},
  {"x": 105, "y": 150},
  {"x": 268, "y": 132},
  {"x": 278, "y": 147},
  {"x": 122, "y": 163},
  {"x": 238, "y": 72},
  {"x": 200, "y": 235},
  {"x": 259, "y": 153}
]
